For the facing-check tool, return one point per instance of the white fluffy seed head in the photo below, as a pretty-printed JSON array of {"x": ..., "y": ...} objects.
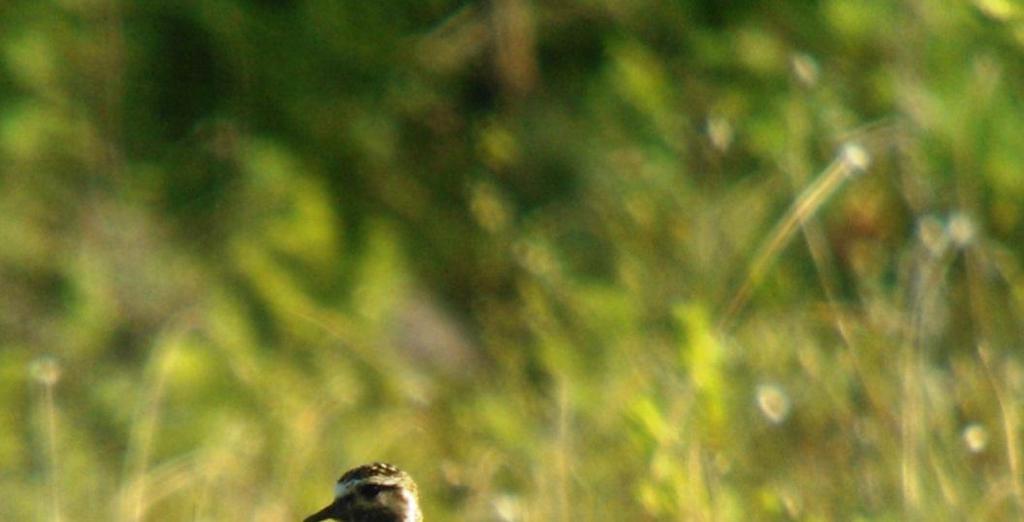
[
  {"x": 855, "y": 157},
  {"x": 975, "y": 437},
  {"x": 961, "y": 229},
  {"x": 773, "y": 402}
]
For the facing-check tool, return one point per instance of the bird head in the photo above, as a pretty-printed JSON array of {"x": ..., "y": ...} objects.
[{"x": 372, "y": 493}]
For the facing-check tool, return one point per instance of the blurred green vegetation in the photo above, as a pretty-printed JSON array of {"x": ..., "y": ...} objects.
[{"x": 570, "y": 260}]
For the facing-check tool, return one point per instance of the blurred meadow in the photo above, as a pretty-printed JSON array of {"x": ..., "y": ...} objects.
[{"x": 569, "y": 260}]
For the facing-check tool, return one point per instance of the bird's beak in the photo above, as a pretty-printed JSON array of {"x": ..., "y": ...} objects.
[{"x": 327, "y": 513}]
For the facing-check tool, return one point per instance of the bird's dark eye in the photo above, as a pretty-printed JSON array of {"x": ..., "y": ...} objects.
[{"x": 370, "y": 491}]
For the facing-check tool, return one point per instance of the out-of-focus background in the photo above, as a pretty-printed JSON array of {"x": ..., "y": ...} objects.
[{"x": 570, "y": 260}]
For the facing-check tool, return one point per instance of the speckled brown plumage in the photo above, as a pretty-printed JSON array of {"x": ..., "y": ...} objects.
[{"x": 375, "y": 492}]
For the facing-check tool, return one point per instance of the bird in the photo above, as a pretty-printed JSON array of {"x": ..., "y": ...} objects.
[{"x": 376, "y": 492}]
